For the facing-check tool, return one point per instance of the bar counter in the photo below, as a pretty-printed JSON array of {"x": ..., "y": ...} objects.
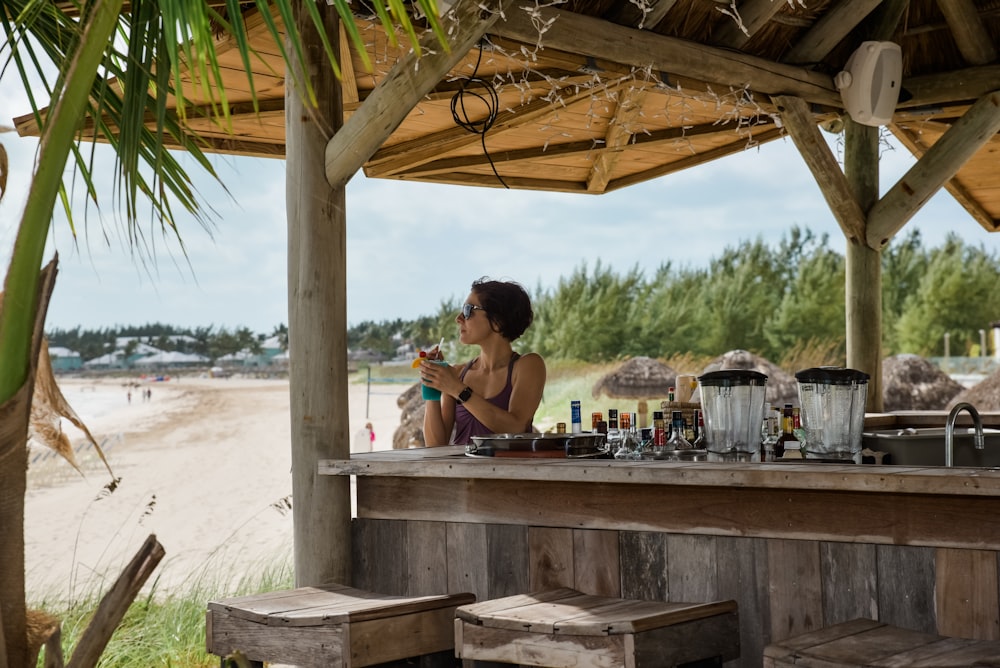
[{"x": 799, "y": 546}]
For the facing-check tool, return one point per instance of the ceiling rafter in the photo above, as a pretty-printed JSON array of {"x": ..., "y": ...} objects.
[
  {"x": 639, "y": 48},
  {"x": 585, "y": 147},
  {"x": 911, "y": 139},
  {"x": 974, "y": 43},
  {"x": 829, "y": 30},
  {"x": 754, "y": 15},
  {"x": 970, "y": 83},
  {"x": 537, "y": 84},
  {"x": 348, "y": 81},
  {"x": 399, "y": 92},
  {"x": 408, "y": 154},
  {"x": 801, "y": 125},
  {"x": 698, "y": 159},
  {"x": 620, "y": 131},
  {"x": 490, "y": 181},
  {"x": 629, "y": 14}
]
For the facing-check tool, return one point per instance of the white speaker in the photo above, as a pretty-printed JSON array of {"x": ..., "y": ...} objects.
[{"x": 870, "y": 82}]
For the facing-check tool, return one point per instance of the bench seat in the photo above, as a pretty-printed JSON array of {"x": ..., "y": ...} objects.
[
  {"x": 333, "y": 625},
  {"x": 564, "y": 628},
  {"x": 864, "y": 642}
]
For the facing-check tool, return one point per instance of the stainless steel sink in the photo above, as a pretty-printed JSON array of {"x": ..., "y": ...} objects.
[{"x": 924, "y": 446}]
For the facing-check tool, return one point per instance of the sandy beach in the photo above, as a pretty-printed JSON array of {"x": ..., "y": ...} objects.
[{"x": 204, "y": 464}]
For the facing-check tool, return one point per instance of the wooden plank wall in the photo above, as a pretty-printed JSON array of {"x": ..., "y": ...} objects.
[{"x": 783, "y": 587}]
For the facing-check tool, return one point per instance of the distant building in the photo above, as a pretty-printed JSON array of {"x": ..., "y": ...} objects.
[
  {"x": 171, "y": 360},
  {"x": 64, "y": 359},
  {"x": 112, "y": 360}
]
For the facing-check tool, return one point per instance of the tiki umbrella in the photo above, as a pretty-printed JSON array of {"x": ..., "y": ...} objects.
[
  {"x": 638, "y": 378},
  {"x": 782, "y": 388},
  {"x": 984, "y": 395},
  {"x": 912, "y": 383}
]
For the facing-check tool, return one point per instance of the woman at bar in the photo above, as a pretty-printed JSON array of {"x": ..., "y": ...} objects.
[{"x": 496, "y": 392}]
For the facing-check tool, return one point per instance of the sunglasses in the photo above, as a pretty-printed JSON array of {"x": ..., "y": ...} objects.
[{"x": 469, "y": 309}]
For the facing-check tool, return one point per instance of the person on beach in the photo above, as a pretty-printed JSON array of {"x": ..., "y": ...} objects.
[
  {"x": 364, "y": 440},
  {"x": 499, "y": 390}
]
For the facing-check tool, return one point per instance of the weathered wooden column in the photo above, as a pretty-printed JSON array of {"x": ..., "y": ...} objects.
[
  {"x": 863, "y": 295},
  {"x": 317, "y": 313}
]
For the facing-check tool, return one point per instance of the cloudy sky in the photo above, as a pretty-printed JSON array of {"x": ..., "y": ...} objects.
[{"x": 410, "y": 247}]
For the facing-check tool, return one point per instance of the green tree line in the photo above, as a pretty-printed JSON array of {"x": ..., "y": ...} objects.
[{"x": 771, "y": 300}]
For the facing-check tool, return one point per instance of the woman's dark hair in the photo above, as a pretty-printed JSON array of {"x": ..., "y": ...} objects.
[{"x": 507, "y": 305}]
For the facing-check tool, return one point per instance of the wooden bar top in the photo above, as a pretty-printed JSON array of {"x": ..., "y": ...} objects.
[{"x": 451, "y": 462}]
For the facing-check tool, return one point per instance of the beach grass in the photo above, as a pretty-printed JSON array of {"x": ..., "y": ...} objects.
[{"x": 166, "y": 629}]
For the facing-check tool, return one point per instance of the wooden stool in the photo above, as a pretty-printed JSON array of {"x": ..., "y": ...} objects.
[
  {"x": 863, "y": 642},
  {"x": 566, "y": 629},
  {"x": 331, "y": 625}
]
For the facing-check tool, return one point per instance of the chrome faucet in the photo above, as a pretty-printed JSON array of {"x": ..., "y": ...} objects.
[{"x": 949, "y": 431}]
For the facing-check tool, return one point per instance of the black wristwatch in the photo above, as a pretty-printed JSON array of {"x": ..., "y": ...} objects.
[{"x": 464, "y": 395}]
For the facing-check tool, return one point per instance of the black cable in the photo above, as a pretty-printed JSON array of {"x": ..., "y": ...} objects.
[{"x": 492, "y": 103}]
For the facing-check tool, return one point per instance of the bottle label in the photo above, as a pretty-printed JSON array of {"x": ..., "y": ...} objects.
[{"x": 576, "y": 419}]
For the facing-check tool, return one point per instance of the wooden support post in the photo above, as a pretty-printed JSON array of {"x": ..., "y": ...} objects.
[
  {"x": 317, "y": 315},
  {"x": 863, "y": 296}
]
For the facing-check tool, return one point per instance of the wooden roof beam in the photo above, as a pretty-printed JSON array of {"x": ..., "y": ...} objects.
[
  {"x": 753, "y": 15},
  {"x": 639, "y": 48},
  {"x": 819, "y": 158},
  {"x": 401, "y": 90},
  {"x": 911, "y": 139},
  {"x": 970, "y": 34},
  {"x": 828, "y": 31},
  {"x": 948, "y": 87},
  {"x": 620, "y": 131},
  {"x": 938, "y": 165}
]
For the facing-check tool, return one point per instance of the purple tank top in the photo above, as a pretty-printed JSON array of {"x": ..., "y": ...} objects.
[{"x": 466, "y": 424}]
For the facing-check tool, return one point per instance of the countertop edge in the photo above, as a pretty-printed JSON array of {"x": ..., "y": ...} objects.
[{"x": 451, "y": 462}]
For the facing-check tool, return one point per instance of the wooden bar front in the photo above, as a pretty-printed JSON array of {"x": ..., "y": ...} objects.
[{"x": 798, "y": 546}]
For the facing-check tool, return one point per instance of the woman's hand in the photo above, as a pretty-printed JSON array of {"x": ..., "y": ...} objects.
[{"x": 440, "y": 376}]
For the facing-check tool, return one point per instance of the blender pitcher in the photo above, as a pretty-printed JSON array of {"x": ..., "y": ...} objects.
[
  {"x": 833, "y": 410},
  {"x": 732, "y": 401}
]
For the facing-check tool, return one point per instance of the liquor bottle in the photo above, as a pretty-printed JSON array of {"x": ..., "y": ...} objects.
[
  {"x": 596, "y": 418},
  {"x": 677, "y": 440},
  {"x": 659, "y": 430},
  {"x": 786, "y": 432},
  {"x": 614, "y": 436},
  {"x": 699, "y": 442},
  {"x": 770, "y": 432},
  {"x": 629, "y": 439},
  {"x": 576, "y": 420},
  {"x": 688, "y": 430}
]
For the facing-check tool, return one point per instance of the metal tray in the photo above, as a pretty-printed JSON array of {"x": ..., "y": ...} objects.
[{"x": 553, "y": 446}]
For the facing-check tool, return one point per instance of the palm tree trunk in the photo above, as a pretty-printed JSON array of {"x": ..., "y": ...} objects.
[{"x": 14, "y": 415}]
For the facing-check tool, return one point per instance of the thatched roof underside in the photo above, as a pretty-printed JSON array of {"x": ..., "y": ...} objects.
[
  {"x": 781, "y": 388},
  {"x": 610, "y": 95},
  {"x": 911, "y": 383},
  {"x": 637, "y": 378}
]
